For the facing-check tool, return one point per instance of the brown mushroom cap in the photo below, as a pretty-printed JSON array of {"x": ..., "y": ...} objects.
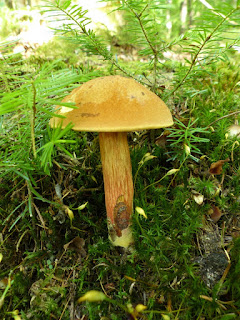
[{"x": 113, "y": 104}]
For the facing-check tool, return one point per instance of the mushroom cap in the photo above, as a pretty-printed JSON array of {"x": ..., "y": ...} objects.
[
  {"x": 113, "y": 104},
  {"x": 234, "y": 130}
]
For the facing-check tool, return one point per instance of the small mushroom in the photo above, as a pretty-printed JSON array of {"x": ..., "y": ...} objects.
[
  {"x": 234, "y": 131},
  {"x": 113, "y": 106}
]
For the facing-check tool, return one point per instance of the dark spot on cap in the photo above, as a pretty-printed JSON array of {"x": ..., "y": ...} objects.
[
  {"x": 89, "y": 115},
  {"x": 143, "y": 93}
]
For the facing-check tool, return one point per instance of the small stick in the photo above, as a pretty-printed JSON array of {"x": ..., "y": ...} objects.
[{"x": 226, "y": 116}]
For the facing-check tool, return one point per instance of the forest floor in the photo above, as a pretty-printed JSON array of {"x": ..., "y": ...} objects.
[{"x": 54, "y": 245}]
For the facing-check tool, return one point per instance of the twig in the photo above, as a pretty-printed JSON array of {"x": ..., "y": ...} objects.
[
  {"x": 33, "y": 118},
  {"x": 226, "y": 116}
]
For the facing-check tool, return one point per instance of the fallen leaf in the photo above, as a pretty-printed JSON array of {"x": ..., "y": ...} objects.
[
  {"x": 161, "y": 141},
  {"x": 216, "y": 167},
  {"x": 77, "y": 245},
  {"x": 214, "y": 213},
  {"x": 198, "y": 198},
  {"x": 4, "y": 282}
]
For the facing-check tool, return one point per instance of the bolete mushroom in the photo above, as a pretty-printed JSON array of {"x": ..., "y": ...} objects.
[{"x": 113, "y": 106}]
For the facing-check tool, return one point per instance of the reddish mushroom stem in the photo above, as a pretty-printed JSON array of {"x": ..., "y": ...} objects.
[{"x": 118, "y": 185}]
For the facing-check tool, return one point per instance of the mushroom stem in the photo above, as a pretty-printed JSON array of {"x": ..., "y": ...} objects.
[{"x": 118, "y": 185}]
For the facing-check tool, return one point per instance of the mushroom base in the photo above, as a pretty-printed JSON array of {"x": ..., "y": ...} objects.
[{"x": 118, "y": 186}]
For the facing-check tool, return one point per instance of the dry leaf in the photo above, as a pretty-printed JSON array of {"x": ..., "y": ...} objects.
[
  {"x": 4, "y": 282},
  {"x": 215, "y": 213},
  {"x": 198, "y": 198},
  {"x": 216, "y": 167},
  {"x": 161, "y": 141},
  {"x": 77, "y": 245}
]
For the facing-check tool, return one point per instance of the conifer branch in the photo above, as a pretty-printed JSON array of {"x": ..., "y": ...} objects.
[
  {"x": 97, "y": 46},
  {"x": 194, "y": 60},
  {"x": 155, "y": 52}
]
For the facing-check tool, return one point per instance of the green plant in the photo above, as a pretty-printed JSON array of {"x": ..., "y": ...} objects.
[{"x": 185, "y": 139}]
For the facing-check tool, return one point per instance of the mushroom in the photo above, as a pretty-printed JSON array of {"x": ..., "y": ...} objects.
[
  {"x": 113, "y": 106},
  {"x": 234, "y": 131}
]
